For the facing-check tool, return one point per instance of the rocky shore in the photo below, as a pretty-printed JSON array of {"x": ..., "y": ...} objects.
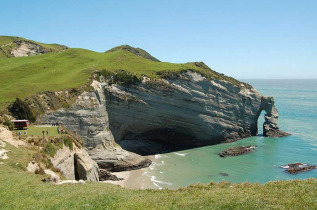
[{"x": 295, "y": 168}]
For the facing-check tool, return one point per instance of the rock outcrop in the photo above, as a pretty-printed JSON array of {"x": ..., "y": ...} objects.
[
  {"x": 184, "y": 110},
  {"x": 85, "y": 167},
  {"x": 236, "y": 151},
  {"x": 105, "y": 175},
  {"x": 187, "y": 110},
  {"x": 75, "y": 164},
  {"x": 295, "y": 168},
  {"x": 270, "y": 126},
  {"x": 88, "y": 117}
]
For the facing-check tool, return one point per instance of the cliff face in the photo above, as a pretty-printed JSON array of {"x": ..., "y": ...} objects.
[
  {"x": 88, "y": 117},
  {"x": 189, "y": 110}
]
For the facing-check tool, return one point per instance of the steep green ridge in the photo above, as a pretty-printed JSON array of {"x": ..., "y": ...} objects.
[
  {"x": 7, "y": 43},
  {"x": 71, "y": 68},
  {"x": 22, "y": 190},
  {"x": 136, "y": 51}
]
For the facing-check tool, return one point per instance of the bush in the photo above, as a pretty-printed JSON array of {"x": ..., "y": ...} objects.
[
  {"x": 8, "y": 123},
  {"x": 125, "y": 78},
  {"x": 50, "y": 149},
  {"x": 69, "y": 143},
  {"x": 21, "y": 110}
]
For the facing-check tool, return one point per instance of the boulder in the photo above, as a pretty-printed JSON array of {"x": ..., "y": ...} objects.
[
  {"x": 105, "y": 175},
  {"x": 32, "y": 167},
  {"x": 235, "y": 151}
]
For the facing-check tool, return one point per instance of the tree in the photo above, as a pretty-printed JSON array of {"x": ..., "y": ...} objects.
[{"x": 21, "y": 110}]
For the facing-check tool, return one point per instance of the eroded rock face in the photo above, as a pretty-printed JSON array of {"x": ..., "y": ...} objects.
[
  {"x": 270, "y": 126},
  {"x": 190, "y": 110},
  {"x": 64, "y": 161},
  {"x": 187, "y": 110},
  {"x": 28, "y": 48},
  {"x": 85, "y": 167},
  {"x": 88, "y": 117},
  {"x": 75, "y": 164}
]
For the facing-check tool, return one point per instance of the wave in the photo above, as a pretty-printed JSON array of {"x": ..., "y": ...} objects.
[
  {"x": 154, "y": 180},
  {"x": 180, "y": 154}
]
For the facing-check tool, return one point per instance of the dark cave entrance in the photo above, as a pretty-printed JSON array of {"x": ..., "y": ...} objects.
[{"x": 157, "y": 141}]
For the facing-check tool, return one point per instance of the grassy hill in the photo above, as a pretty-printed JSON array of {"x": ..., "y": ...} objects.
[
  {"x": 22, "y": 190},
  {"x": 7, "y": 43},
  {"x": 137, "y": 51},
  {"x": 71, "y": 68}
]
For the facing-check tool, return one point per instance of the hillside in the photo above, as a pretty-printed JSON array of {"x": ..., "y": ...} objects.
[
  {"x": 17, "y": 47},
  {"x": 137, "y": 51},
  {"x": 71, "y": 68}
]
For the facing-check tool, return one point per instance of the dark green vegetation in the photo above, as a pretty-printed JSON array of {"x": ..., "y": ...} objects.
[
  {"x": 22, "y": 190},
  {"x": 59, "y": 70},
  {"x": 21, "y": 110}
]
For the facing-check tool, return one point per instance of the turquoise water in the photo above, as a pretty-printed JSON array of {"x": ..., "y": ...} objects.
[{"x": 296, "y": 101}]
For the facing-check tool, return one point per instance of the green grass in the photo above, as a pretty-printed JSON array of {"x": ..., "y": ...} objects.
[
  {"x": 25, "y": 76},
  {"x": 37, "y": 131},
  {"x": 7, "y": 44},
  {"x": 22, "y": 190}
]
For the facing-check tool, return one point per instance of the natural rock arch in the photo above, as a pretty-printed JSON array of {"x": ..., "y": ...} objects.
[{"x": 270, "y": 125}]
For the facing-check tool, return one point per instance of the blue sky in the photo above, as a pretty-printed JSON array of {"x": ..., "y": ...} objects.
[{"x": 243, "y": 39}]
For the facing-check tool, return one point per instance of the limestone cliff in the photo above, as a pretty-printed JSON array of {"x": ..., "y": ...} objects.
[
  {"x": 189, "y": 110},
  {"x": 88, "y": 117}
]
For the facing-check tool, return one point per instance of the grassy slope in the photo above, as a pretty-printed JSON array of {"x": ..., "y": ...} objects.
[
  {"x": 136, "y": 51},
  {"x": 5, "y": 50},
  {"x": 20, "y": 189},
  {"x": 25, "y": 76}
]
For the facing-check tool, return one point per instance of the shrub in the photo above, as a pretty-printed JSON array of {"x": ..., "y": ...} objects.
[
  {"x": 50, "y": 149},
  {"x": 21, "y": 110},
  {"x": 8, "y": 123},
  {"x": 69, "y": 143},
  {"x": 125, "y": 78}
]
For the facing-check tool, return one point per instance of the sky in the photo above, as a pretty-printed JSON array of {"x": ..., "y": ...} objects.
[{"x": 245, "y": 39}]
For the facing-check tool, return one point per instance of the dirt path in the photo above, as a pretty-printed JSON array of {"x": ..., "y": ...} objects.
[{"x": 7, "y": 136}]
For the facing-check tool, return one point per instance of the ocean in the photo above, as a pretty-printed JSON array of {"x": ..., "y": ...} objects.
[{"x": 296, "y": 101}]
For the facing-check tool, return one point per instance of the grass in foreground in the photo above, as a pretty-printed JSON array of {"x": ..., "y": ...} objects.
[{"x": 20, "y": 189}]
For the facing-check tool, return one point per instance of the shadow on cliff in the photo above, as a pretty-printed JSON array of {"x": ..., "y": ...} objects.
[{"x": 159, "y": 141}]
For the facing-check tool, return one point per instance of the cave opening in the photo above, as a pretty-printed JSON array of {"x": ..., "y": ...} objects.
[{"x": 157, "y": 141}]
